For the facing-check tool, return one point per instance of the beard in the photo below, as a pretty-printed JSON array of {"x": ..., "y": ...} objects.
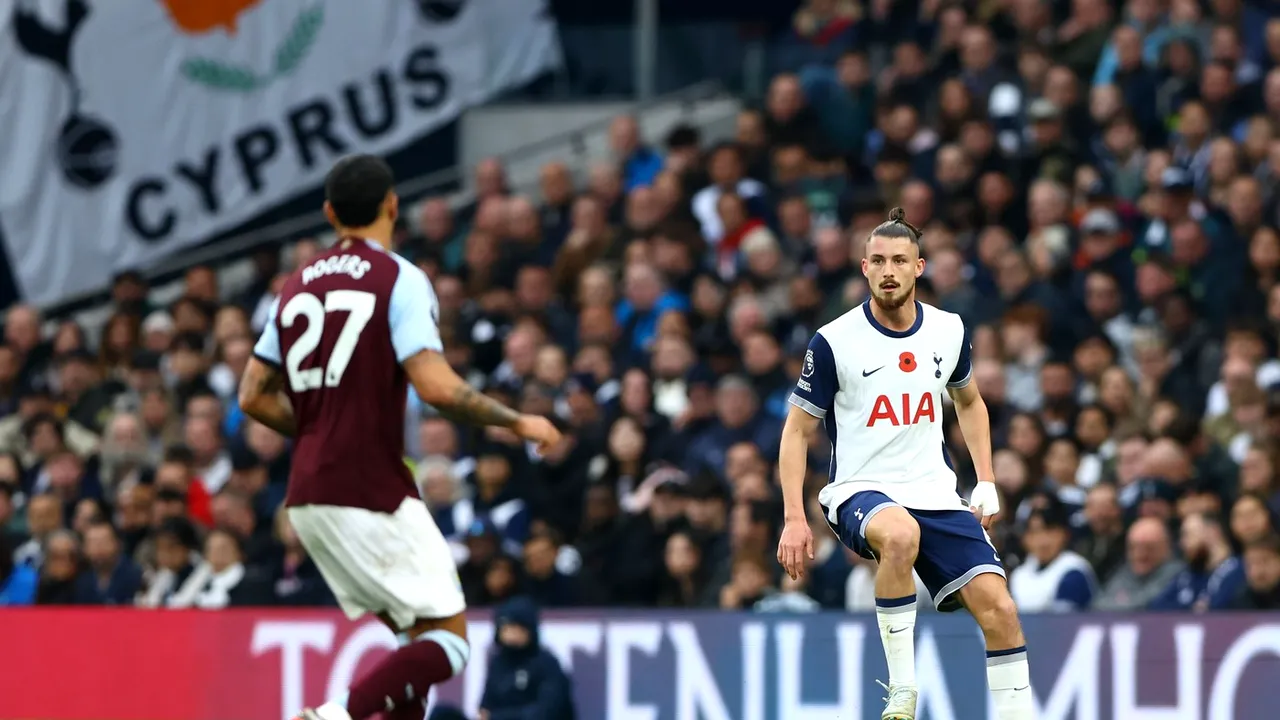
[
  {"x": 1198, "y": 561},
  {"x": 895, "y": 298}
]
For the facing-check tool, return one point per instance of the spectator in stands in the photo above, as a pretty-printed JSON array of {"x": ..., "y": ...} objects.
[
  {"x": 1149, "y": 568},
  {"x": 524, "y": 680},
  {"x": 22, "y": 333},
  {"x": 1103, "y": 542},
  {"x": 1252, "y": 519},
  {"x": 1262, "y": 570},
  {"x": 437, "y": 236},
  {"x": 640, "y": 164},
  {"x": 727, "y": 169},
  {"x": 220, "y": 580},
  {"x": 123, "y": 456},
  {"x": 234, "y": 513},
  {"x": 686, "y": 578},
  {"x": 177, "y": 557},
  {"x": 788, "y": 118},
  {"x": 110, "y": 578},
  {"x": 44, "y": 517},
  {"x": 749, "y": 584},
  {"x": 17, "y": 581},
  {"x": 557, "y": 191},
  {"x": 1082, "y": 242},
  {"x": 445, "y": 495},
  {"x": 590, "y": 239},
  {"x": 1213, "y": 575},
  {"x": 212, "y": 463},
  {"x": 35, "y": 401},
  {"x": 738, "y": 418},
  {"x": 546, "y": 583},
  {"x": 60, "y": 573},
  {"x": 121, "y": 338},
  {"x": 291, "y": 578},
  {"x": 1052, "y": 578}
]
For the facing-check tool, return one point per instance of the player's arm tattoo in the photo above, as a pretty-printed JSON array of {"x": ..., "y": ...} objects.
[
  {"x": 262, "y": 398},
  {"x": 475, "y": 408}
]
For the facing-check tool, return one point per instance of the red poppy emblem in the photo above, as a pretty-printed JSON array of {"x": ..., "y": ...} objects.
[{"x": 906, "y": 362}]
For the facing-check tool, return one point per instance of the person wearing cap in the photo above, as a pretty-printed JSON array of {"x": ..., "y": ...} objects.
[
  {"x": 481, "y": 544},
  {"x": 1177, "y": 184},
  {"x": 157, "y": 331},
  {"x": 1052, "y": 578},
  {"x": 1050, "y": 154},
  {"x": 1103, "y": 245}
]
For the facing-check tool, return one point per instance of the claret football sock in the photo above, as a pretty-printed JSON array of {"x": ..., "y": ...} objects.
[
  {"x": 398, "y": 685},
  {"x": 1009, "y": 678},
  {"x": 897, "y": 620}
]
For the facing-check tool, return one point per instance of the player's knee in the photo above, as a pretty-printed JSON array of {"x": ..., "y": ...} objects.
[
  {"x": 457, "y": 649},
  {"x": 900, "y": 543}
]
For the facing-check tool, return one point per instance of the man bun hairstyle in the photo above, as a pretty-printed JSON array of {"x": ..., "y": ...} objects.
[{"x": 897, "y": 227}]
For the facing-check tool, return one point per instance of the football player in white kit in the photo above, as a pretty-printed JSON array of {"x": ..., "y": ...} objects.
[{"x": 874, "y": 377}]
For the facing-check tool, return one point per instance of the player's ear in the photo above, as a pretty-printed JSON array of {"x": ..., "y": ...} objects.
[
  {"x": 329, "y": 214},
  {"x": 864, "y": 266},
  {"x": 919, "y": 267},
  {"x": 392, "y": 206}
]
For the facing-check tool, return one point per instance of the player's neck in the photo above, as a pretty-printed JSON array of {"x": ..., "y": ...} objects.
[
  {"x": 373, "y": 233},
  {"x": 901, "y": 318}
]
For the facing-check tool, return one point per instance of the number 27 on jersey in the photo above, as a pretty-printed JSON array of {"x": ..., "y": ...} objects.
[{"x": 358, "y": 305}]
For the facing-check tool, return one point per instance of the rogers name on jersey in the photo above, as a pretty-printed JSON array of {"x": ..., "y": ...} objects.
[{"x": 352, "y": 265}]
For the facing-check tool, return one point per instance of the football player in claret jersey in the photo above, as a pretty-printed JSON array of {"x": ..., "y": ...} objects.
[
  {"x": 348, "y": 334},
  {"x": 874, "y": 377}
]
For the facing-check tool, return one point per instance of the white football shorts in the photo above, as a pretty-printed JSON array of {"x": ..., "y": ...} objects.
[{"x": 399, "y": 565}]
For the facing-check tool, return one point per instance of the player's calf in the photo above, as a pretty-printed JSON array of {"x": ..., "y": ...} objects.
[
  {"x": 398, "y": 686},
  {"x": 895, "y": 537},
  {"x": 1008, "y": 674}
]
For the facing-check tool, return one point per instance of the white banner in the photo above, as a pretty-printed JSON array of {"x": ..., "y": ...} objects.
[{"x": 131, "y": 129}]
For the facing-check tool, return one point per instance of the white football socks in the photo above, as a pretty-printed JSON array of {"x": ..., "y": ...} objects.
[
  {"x": 897, "y": 620},
  {"x": 1009, "y": 678}
]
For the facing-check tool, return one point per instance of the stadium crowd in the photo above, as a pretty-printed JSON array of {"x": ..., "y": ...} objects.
[{"x": 1096, "y": 183}]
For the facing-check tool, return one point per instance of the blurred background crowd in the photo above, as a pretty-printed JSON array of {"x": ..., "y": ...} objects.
[{"x": 1096, "y": 185}]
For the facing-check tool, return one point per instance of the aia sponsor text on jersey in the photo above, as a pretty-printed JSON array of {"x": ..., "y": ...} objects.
[{"x": 903, "y": 410}]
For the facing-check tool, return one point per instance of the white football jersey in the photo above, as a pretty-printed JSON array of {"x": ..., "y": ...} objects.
[{"x": 879, "y": 393}]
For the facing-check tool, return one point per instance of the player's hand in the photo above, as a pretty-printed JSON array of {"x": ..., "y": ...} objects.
[
  {"x": 795, "y": 545},
  {"x": 985, "y": 502},
  {"x": 537, "y": 430}
]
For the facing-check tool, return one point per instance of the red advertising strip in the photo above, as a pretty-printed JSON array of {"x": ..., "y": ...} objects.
[{"x": 105, "y": 664}]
